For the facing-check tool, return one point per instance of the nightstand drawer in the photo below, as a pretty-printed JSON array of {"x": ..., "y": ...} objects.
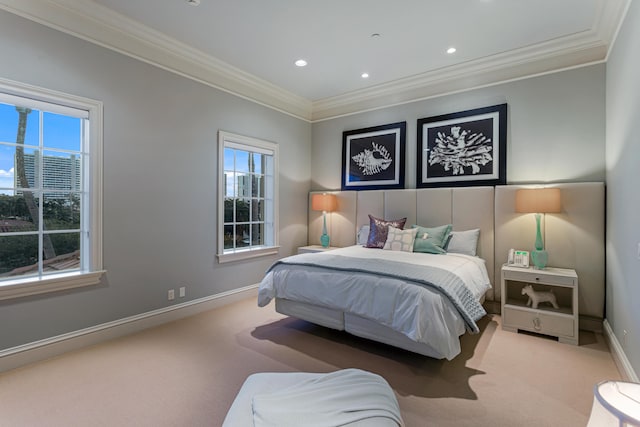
[
  {"x": 535, "y": 321},
  {"x": 543, "y": 277}
]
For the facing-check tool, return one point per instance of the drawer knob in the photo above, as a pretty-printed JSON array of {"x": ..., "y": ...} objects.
[
  {"x": 536, "y": 324},
  {"x": 537, "y": 278}
]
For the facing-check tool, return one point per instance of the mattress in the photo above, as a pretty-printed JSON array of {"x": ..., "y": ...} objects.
[{"x": 420, "y": 314}]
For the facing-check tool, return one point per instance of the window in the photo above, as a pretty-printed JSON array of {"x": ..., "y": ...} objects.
[
  {"x": 247, "y": 197},
  {"x": 50, "y": 191}
]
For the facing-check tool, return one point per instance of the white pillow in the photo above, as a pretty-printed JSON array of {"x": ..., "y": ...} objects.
[
  {"x": 363, "y": 235},
  {"x": 400, "y": 240},
  {"x": 464, "y": 242}
]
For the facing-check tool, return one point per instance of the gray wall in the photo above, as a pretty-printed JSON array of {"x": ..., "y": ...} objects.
[
  {"x": 556, "y": 128},
  {"x": 623, "y": 195},
  {"x": 160, "y": 180},
  {"x": 556, "y": 133}
]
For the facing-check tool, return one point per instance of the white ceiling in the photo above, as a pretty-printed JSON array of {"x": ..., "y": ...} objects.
[
  {"x": 255, "y": 43},
  {"x": 264, "y": 38}
]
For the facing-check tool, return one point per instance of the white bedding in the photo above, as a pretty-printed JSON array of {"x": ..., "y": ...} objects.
[
  {"x": 241, "y": 412},
  {"x": 421, "y": 314},
  {"x": 335, "y": 399}
]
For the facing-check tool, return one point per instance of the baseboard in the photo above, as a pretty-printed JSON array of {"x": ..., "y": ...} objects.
[
  {"x": 45, "y": 349},
  {"x": 619, "y": 357}
]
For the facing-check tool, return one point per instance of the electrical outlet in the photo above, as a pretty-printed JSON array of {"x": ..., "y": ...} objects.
[
  {"x": 624, "y": 338},
  {"x": 171, "y": 295},
  {"x": 183, "y": 291}
]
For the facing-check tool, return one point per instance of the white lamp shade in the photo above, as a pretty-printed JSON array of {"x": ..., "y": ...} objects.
[{"x": 615, "y": 403}]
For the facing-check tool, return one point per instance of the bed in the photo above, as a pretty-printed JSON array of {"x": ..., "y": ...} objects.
[
  {"x": 576, "y": 234},
  {"x": 310, "y": 292},
  {"x": 421, "y": 302}
]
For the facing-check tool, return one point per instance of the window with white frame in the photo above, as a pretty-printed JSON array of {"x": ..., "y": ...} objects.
[
  {"x": 247, "y": 197},
  {"x": 50, "y": 190}
]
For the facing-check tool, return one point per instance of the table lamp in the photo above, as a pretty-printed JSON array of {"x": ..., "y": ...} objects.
[
  {"x": 326, "y": 203},
  {"x": 539, "y": 201},
  {"x": 615, "y": 403}
]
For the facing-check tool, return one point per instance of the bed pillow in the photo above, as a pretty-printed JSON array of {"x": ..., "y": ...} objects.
[
  {"x": 400, "y": 240},
  {"x": 431, "y": 239},
  {"x": 464, "y": 242},
  {"x": 363, "y": 235},
  {"x": 378, "y": 229}
]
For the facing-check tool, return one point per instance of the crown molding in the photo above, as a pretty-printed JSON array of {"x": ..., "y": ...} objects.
[
  {"x": 92, "y": 22},
  {"x": 610, "y": 21},
  {"x": 579, "y": 49},
  {"x": 552, "y": 56},
  {"x": 95, "y": 23}
]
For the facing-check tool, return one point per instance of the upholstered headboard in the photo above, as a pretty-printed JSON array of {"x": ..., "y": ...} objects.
[
  {"x": 466, "y": 208},
  {"x": 574, "y": 238}
]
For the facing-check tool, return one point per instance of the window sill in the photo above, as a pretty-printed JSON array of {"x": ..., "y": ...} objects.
[
  {"x": 19, "y": 288},
  {"x": 241, "y": 254}
]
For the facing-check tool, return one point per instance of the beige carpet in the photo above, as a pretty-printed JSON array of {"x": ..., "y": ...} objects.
[{"x": 187, "y": 373}]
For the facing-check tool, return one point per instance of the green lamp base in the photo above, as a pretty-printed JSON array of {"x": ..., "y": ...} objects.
[
  {"x": 324, "y": 239},
  {"x": 539, "y": 258}
]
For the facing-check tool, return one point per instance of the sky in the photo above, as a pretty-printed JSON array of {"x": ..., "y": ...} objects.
[
  {"x": 238, "y": 160},
  {"x": 58, "y": 131}
]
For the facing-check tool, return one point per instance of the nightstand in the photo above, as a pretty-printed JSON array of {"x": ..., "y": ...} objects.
[
  {"x": 516, "y": 315},
  {"x": 314, "y": 248}
]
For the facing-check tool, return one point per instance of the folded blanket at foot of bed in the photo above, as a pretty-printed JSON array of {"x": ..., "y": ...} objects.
[{"x": 350, "y": 397}]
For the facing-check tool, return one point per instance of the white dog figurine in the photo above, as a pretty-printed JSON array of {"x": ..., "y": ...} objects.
[{"x": 536, "y": 297}]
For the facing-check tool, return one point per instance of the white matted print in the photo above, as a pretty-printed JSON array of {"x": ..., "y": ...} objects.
[
  {"x": 373, "y": 158},
  {"x": 463, "y": 149}
]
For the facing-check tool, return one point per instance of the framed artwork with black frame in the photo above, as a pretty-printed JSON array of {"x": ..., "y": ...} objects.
[
  {"x": 463, "y": 149},
  {"x": 373, "y": 158}
]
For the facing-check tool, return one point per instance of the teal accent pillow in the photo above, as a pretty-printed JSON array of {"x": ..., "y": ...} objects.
[{"x": 431, "y": 239}]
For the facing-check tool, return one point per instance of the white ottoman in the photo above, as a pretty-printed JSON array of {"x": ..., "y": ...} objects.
[{"x": 241, "y": 413}]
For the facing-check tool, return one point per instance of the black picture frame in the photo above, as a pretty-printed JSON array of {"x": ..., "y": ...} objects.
[
  {"x": 374, "y": 158},
  {"x": 466, "y": 148}
]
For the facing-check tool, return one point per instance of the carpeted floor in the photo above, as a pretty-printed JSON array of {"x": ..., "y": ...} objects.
[{"x": 188, "y": 372}]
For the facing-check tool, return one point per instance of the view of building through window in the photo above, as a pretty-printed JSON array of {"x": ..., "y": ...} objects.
[
  {"x": 41, "y": 188},
  {"x": 248, "y": 187},
  {"x": 244, "y": 198}
]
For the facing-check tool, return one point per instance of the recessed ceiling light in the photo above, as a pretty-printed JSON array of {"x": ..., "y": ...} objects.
[
  {"x": 193, "y": 2},
  {"x": 375, "y": 35},
  {"x": 364, "y": 75},
  {"x": 451, "y": 50},
  {"x": 301, "y": 62}
]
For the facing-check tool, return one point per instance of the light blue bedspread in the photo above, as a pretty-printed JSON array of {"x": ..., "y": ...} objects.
[{"x": 441, "y": 280}]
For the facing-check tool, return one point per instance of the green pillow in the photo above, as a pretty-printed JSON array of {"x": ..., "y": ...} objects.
[{"x": 431, "y": 239}]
